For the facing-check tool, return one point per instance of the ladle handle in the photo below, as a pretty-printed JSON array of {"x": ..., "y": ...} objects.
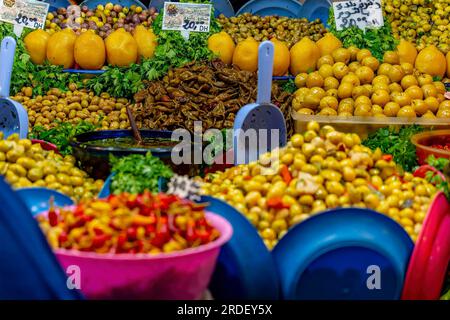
[
  {"x": 134, "y": 128},
  {"x": 265, "y": 71},
  {"x": 7, "y": 50}
]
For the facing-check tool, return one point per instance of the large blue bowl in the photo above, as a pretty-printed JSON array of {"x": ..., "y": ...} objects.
[
  {"x": 284, "y": 8},
  {"x": 343, "y": 254}
]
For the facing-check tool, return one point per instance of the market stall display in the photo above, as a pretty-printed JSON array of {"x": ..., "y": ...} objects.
[{"x": 360, "y": 103}]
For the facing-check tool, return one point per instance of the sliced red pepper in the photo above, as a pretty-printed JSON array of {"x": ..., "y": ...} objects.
[
  {"x": 285, "y": 174},
  {"x": 52, "y": 217},
  {"x": 276, "y": 203},
  {"x": 203, "y": 235},
  {"x": 131, "y": 233},
  {"x": 386, "y": 157},
  {"x": 99, "y": 241}
]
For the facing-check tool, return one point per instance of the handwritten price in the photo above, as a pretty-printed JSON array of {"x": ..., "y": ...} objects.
[
  {"x": 24, "y": 20},
  {"x": 193, "y": 26}
]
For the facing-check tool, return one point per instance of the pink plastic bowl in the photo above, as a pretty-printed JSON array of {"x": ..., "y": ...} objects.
[{"x": 183, "y": 275}]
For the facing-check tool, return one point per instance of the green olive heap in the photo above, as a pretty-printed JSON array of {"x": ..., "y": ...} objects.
[
  {"x": 25, "y": 164},
  {"x": 73, "y": 106},
  {"x": 284, "y": 29},
  {"x": 317, "y": 170}
]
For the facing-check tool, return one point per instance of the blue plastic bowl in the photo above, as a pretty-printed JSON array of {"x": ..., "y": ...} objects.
[
  {"x": 37, "y": 199},
  {"x": 245, "y": 269},
  {"x": 333, "y": 255},
  {"x": 316, "y": 9},
  {"x": 284, "y": 8}
]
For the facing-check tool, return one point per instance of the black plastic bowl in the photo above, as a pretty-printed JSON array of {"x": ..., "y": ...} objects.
[{"x": 95, "y": 159}]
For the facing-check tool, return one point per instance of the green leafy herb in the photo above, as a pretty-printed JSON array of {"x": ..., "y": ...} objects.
[
  {"x": 289, "y": 86},
  {"x": 397, "y": 143},
  {"x": 137, "y": 173},
  {"x": 377, "y": 40},
  {"x": 443, "y": 165},
  {"x": 62, "y": 134}
]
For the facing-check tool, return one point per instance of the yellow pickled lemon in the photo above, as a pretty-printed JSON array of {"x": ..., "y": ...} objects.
[
  {"x": 146, "y": 41},
  {"x": 245, "y": 55},
  {"x": 304, "y": 56},
  {"x": 60, "y": 48},
  {"x": 282, "y": 58},
  {"x": 90, "y": 52},
  {"x": 431, "y": 61},
  {"x": 328, "y": 44},
  {"x": 121, "y": 48},
  {"x": 36, "y": 45},
  {"x": 407, "y": 52},
  {"x": 223, "y": 46}
]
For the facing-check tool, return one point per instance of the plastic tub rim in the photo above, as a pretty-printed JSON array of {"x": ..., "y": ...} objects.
[
  {"x": 225, "y": 236},
  {"x": 415, "y": 139}
]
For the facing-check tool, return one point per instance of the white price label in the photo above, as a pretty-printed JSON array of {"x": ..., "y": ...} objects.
[
  {"x": 190, "y": 17},
  {"x": 24, "y": 13},
  {"x": 360, "y": 13}
]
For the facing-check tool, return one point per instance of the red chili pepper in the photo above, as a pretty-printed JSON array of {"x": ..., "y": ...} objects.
[
  {"x": 62, "y": 237},
  {"x": 285, "y": 174},
  {"x": 131, "y": 233},
  {"x": 52, "y": 217},
  {"x": 99, "y": 240},
  {"x": 276, "y": 203},
  {"x": 121, "y": 239},
  {"x": 247, "y": 178},
  {"x": 162, "y": 233},
  {"x": 386, "y": 157}
]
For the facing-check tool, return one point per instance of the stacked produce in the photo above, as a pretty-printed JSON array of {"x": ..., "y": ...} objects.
[
  {"x": 25, "y": 164},
  {"x": 317, "y": 170},
  {"x": 264, "y": 28},
  {"x": 420, "y": 21},
  {"x": 351, "y": 82},
  {"x": 125, "y": 223},
  {"x": 88, "y": 50},
  {"x": 103, "y": 19},
  {"x": 212, "y": 93},
  {"x": 73, "y": 106}
]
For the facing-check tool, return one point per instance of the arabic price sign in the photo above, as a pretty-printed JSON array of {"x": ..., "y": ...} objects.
[
  {"x": 25, "y": 13},
  {"x": 186, "y": 17},
  {"x": 360, "y": 13}
]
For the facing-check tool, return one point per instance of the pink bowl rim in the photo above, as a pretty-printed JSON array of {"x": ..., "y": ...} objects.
[{"x": 225, "y": 229}]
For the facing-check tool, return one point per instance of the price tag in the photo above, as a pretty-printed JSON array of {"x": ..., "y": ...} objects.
[
  {"x": 360, "y": 13},
  {"x": 24, "y": 13},
  {"x": 190, "y": 17}
]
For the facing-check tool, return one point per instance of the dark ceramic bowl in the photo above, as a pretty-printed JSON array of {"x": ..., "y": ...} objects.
[{"x": 95, "y": 159}]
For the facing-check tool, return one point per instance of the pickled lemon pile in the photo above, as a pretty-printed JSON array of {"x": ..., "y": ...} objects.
[
  {"x": 351, "y": 82},
  {"x": 326, "y": 169},
  {"x": 25, "y": 164},
  {"x": 423, "y": 22}
]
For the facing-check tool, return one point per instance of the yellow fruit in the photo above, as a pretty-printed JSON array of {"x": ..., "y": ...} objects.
[
  {"x": 246, "y": 55},
  {"x": 89, "y": 51},
  {"x": 431, "y": 61},
  {"x": 391, "y": 57},
  {"x": 406, "y": 52},
  {"x": 328, "y": 44},
  {"x": 341, "y": 55},
  {"x": 121, "y": 48},
  {"x": 304, "y": 56},
  {"x": 60, "y": 48},
  {"x": 300, "y": 80},
  {"x": 282, "y": 58},
  {"x": 36, "y": 45},
  {"x": 222, "y": 45},
  {"x": 146, "y": 42}
]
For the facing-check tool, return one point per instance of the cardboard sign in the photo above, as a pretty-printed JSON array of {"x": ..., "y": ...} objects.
[
  {"x": 360, "y": 13},
  {"x": 24, "y": 13},
  {"x": 186, "y": 17}
]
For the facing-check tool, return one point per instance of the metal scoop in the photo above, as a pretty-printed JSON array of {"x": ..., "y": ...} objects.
[
  {"x": 262, "y": 122},
  {"x": 13, "y": 116}
]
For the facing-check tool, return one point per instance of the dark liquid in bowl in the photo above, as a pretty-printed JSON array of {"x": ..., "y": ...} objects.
[{"x": 129, "y": 142}]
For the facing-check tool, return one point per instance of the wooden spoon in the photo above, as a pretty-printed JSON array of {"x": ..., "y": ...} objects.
[{"x": 136, "y": 133}]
